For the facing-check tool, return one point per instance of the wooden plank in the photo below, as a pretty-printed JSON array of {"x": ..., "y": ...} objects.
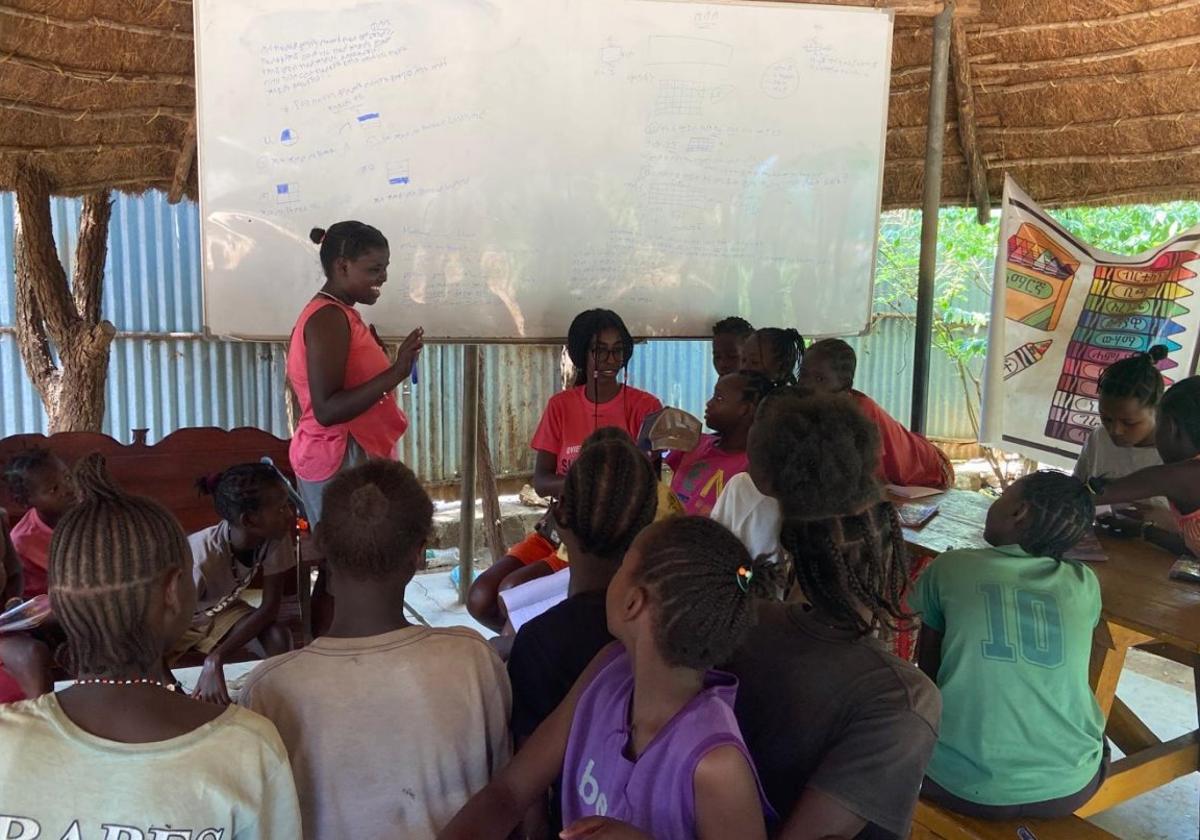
[
  {"x": 1127, "y": 731},
  {"x": 904, "y": 8},
  {"x": 1110, "y": 645},
  {"x": 933, "y": 823},
  {"x": 1134, "y": 775}
]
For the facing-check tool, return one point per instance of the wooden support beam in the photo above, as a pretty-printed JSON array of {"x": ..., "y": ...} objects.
[
  {"x": 904, "y": 8},
  {"x": 1110, "y": 645},
  {"x": 1134, "y": 775},
  {"x": 1127, "y": 730},
  {"x": 960, "y": 64},
  {"x": 183, "y": 164}
]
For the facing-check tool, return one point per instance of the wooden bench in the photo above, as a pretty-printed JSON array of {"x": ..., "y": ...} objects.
[
  {"x": 167, "y": 473},
  {"x": 933, "y": 823}
]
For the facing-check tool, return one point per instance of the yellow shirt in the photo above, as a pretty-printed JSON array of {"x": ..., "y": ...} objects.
[{"x": 226, "y": 780}]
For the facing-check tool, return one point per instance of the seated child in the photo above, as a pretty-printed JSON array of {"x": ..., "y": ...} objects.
[
  {"x": 120, "y": 747},
  {"x": 1007, "y": 636},
  {"x": 41, "y": 482},
  {"x": 255, "y": 532},
  {"x": 666, "y": 758},
  {"x": 907, "y": 459},
  {"x": 1123, "y": 443},
  {"x": 24, "y": 661},
  {"x": 728, "y": 335},
  {"x": 608, "y": 499},
  {"x": 1177, "y": 438},
  {"x": 842, "y": 754},
  {"x": 391, "y": 727},
  {"x": 600, "y": 348},
  {"x": 774, "y": 352},
  {"x": 699, "y": 476}
]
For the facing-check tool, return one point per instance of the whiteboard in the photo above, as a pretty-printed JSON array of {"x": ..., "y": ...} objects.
[{"x": 677, "y": 162}]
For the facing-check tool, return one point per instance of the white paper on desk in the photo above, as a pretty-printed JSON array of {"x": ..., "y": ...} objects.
[
  {"x": 912, "y": 492},
  {"x": 529, "y": 600}
]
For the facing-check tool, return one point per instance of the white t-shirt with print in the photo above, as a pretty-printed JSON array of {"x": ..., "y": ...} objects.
[{"x": 226, "y": 780}]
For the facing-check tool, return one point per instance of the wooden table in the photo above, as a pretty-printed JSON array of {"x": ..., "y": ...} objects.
[{"x": 1142, "y": 607}]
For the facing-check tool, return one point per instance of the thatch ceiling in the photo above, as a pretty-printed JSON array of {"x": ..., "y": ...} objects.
[{"x": 1084, "y": 102}]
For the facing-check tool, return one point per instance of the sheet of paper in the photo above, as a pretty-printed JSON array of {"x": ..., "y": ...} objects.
[
  {"x": 529, "y": 600},
  {"x": 912, "y": 492}
]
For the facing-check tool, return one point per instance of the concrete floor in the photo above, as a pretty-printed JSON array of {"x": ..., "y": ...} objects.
[{"x": 1160, "y": 692}]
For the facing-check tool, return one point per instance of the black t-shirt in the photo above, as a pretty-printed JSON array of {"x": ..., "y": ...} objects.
[
  {"x": 820, "y": 708},
  {"x": 550, "y": 653}
]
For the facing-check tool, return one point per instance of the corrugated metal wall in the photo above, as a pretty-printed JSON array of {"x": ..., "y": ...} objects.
[{"x": 165, "y": 375}]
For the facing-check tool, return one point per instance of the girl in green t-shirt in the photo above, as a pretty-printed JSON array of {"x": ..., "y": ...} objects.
[{"x": 1007, "y": 636}]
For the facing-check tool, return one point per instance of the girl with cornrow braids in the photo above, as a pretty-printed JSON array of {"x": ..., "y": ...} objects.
[
  {"x": 1007, "y": 634},
  {"x": 838, "y": 727},
  {"x": 646, "y": 740},
  {"x": 600, "y": 348},
  {"x": 609, "y": 496},
  {"x": 112, "y": 749}
]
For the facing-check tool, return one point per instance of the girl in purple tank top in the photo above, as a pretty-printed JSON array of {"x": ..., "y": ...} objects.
[{"x": 646, "y": 741}]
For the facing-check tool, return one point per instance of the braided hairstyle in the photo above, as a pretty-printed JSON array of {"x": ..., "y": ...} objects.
[
  {"x": 817, "y": 454},
  {"x": 1061, "y": 512},
  {"x": 584, "y": 329},
  {"x": 609, "y": 494},
  {"x": 1135, "y": 377},
  {"x": 855, "y": 560},
  {"x": 786, "y": 347},
  {"x": 733, "y": 325},
  {"x": 702, "y": 583},
  {"x": 1181, "y": 403},
  {"x": 755, "y": 385},
  {"x": 238, "y": 491},
  {"x": 373, "y": 518},
  {"x": 16, "y": 472},
  {"x": 345, "y": 240},
  {"x": 106, "y": 557}
]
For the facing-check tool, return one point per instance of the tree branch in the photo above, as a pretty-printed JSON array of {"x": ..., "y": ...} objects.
[
  {"x": 31, "y": 331},
  {"x": 960, "y": 62},
  {"x": 46, "y": 279},
  {"x": 183, "y": 163},
  {"x": 88, "y": 283}
]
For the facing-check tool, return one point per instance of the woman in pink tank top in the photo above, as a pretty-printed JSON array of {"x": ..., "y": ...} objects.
[
  {"x": 339, "y": 369},
  {"x": 1177, "y": 438}
]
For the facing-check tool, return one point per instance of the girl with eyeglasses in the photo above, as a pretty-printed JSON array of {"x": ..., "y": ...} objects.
[{"x": 600, "y": 347}]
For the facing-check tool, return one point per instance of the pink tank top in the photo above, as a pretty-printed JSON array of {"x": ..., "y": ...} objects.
[
  {"x": 317, "y": 451},
  {"x": 1189, "y": 526}
]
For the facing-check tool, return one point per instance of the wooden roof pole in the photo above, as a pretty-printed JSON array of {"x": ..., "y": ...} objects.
[
  {"x": 931, "y": 201},
  {"x": 960, "y": 63},
  {"x": 183, "y": 164}
]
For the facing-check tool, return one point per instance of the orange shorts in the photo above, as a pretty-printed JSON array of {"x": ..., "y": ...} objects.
[{"x": 534, "y": 548}]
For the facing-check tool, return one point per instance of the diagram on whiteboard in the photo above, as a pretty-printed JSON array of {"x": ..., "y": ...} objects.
[
  {"x": 1070, "y": 311},
  {"x": 695, "y": 159}
]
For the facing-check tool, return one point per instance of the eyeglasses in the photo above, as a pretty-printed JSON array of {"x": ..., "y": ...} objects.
[{"x": 616, "y": 354}]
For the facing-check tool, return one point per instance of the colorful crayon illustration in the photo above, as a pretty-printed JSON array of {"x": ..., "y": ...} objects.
[
  {"x": 1128, "y": 310},
  {"x": 1026, "y": 355},
  {"x": 1038, "y": 276}
]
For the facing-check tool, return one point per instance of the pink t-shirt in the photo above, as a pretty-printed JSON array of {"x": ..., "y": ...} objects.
[
  {"x": 701, "y": 475},
  {"x": 317, "y": 451},
  {"x": 31, "y": 540},
  {"x": 570, "y": 417}
]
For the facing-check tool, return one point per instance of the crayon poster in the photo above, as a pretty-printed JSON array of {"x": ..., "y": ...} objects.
[{"x": 1062, "y": 311}]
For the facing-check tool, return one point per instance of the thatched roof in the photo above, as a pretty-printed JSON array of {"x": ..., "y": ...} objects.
[{"x": 1084, "y": 102}]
